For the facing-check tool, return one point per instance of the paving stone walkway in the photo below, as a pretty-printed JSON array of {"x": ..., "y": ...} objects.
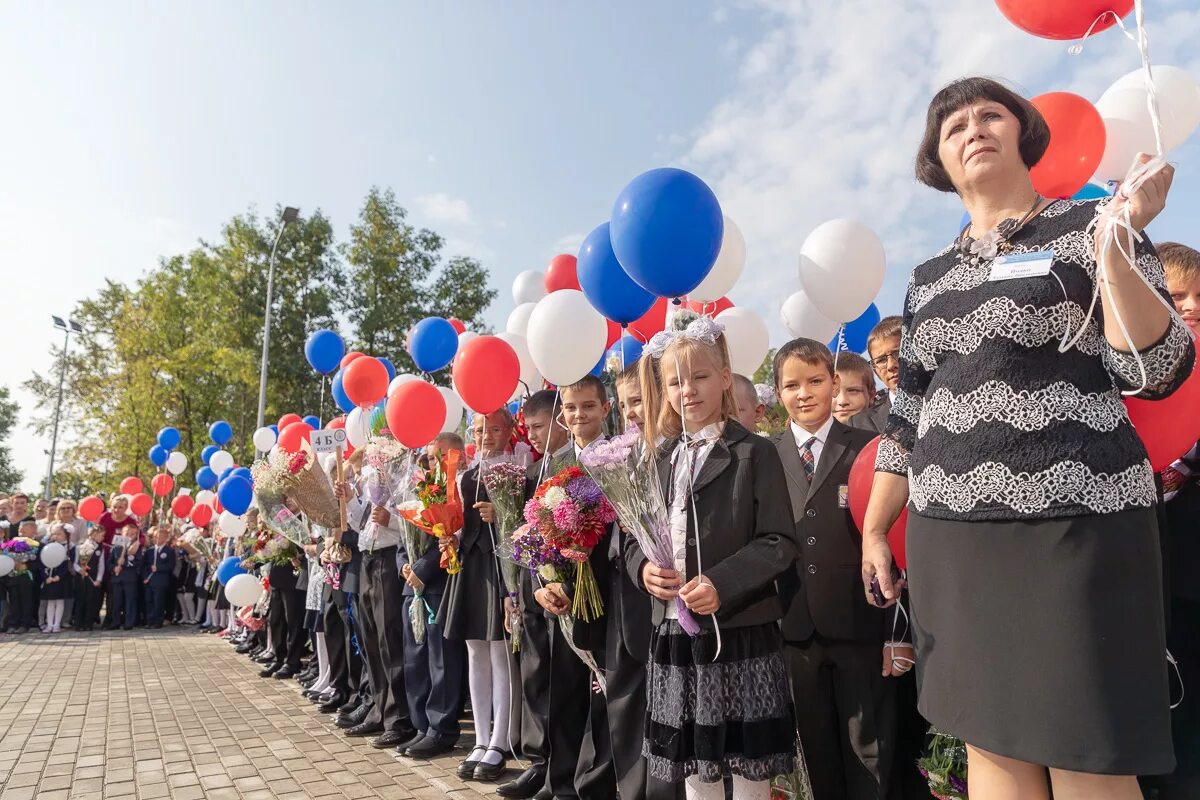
[{"x": 177, "y": 714}]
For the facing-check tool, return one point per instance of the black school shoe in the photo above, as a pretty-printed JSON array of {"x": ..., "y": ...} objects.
[{"x": 490, "y": 772}]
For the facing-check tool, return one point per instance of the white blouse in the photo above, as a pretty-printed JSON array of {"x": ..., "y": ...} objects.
[{"x": 686, "y": 460}]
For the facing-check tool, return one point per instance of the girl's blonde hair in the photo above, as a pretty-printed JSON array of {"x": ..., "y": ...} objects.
[{"x": 661, "y": 418}]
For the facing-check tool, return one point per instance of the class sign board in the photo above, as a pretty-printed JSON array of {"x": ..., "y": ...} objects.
[{"x": 328, "y": 441}]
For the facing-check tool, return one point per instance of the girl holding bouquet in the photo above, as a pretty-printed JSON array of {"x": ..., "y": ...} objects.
[
  {"x": 472, "y": 607},
  {"x": 733, "y": 534}
]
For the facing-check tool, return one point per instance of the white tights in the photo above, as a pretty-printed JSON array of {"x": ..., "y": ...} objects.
[
  {"x": 186, "y": 615},
  {"x": 323, "y": 669},
  {"x": 54, "y": 614},
  {"x": 742, "y": 789},
  {"x": 487, "y": 664}
]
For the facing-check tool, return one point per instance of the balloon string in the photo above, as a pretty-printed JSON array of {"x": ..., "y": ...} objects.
[{"x": 841, "y": 344}]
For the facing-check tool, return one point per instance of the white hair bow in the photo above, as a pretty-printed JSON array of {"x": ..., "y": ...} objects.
[{"x": 703, "y": 329}]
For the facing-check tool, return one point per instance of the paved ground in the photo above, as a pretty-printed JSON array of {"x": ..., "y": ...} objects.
[{"x": 177, "y": 714}]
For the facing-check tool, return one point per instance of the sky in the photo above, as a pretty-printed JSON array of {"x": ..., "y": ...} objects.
[{"x": 134, "y": 129}]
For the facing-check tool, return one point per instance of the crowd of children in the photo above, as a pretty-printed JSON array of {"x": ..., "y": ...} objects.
[{"x": 752, "y": 654}]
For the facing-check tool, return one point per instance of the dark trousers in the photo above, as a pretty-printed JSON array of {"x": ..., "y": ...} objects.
[
  {"x": 433, "y": 670},
  {"x": 336, "y": 648},
  {"x": 158, "y": 600},
  {"x": 124, "y": 608},
  {"x": 846, "y": 716},
  {"x": 111, "y": 608},
  {"x": 285, "y": 617},
  {"x": 22, "y": 608},
  {"x": 580, "y": 762},
  {"x": 626, "y": 709},
  {"x": 535, "y": 683},
  {"x": 1183, "y": 640},
  {"x": 87, "y": 602},
  {"x": 380, "y": 616}
]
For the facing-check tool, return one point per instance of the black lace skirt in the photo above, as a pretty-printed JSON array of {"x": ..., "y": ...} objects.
[{"x": 712, "y": 719}]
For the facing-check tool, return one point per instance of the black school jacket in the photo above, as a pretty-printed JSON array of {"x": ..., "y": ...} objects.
[
  {"x": 823, "y": 592},
  {"x": 747, "y": 536}
]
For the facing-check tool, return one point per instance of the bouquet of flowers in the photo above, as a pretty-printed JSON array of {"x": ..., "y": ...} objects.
[
  {"x": 570, "y": 513},
  {"x": 440, "y": 514},
  {"x": 505, "y": 483},
  {"x": 21, "y": 549},
  {"x": 297, "y": 475},
  {"x": 630, "y": 482},
  {"x": 277, "y": 550},
  {"x": 386, "y": 469},
  {"x": 944, "y": 765},
  {"x": 197, "y": 544}
]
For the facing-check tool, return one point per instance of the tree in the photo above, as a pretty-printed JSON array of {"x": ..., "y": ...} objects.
[{"x": 10, "y": 476}]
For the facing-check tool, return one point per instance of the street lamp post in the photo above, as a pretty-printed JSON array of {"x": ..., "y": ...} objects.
[
  {"x": 66, "y": 327},
  {"x": 290, "y": 215}
]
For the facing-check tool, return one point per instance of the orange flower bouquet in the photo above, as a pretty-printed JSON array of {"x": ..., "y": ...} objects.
[{"x": 438, "y": 509}]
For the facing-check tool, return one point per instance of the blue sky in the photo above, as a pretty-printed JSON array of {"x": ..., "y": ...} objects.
[{"x": 133, "y": 129}]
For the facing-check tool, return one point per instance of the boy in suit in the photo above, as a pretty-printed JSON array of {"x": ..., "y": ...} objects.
[
  {"x": 158, "y": 566},
  {"x": 751, "y": 410},
  {"x": 834, "y": 640},
  {"x": 856, "y": 387},
  {"x": 883, "y": 348}
]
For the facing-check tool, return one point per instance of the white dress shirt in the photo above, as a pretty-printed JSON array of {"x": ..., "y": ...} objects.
[
  {"x": 803, "y": 436},
  {"x": 686, "y": 463}
]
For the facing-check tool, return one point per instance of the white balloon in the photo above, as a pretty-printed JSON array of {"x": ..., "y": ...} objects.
[
  {"x": 358, "y": 427},
  {"x": 231, "y": 524},
  {"x": 176, "y": 463},
  {"x": 803, "y": 319},
  {"x": 328, "y": 461},
  {"x": 465, "y": 337},
  {"x": 53, "y": 554},
  {"x": 747, "y": 337},
  {"x": 726, "y": 269},
  {"x": 842, "y": 263},
  {"x": 1178, "y": 94},
  {"x": 220, "y": 461},
  {"x": 529, "y": 371},
  {"x": 7, "y": 565},
  {"x": 264, "y": 439},
  {"x": 518, "y": 320},
  {"x": 454, "y": 409},
  {"x": 529, "y": 287},
  {"x": 566, "y": 336},
  {"x": 243, "y": 590},
  {"x": 204, "y": 497},
  {"x": 400, "y": 380}
]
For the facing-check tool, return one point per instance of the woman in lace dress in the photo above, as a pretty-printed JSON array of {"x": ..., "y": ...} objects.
[{"x": 1033, "y": 551}]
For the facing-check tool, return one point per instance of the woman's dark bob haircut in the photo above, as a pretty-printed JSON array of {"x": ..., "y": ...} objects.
[{"x": 1035, "y": 134}]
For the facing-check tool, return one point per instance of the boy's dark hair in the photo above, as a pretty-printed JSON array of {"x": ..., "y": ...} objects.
[
  {"x": 856, "y": 365},
  {"x": 1182, "y": 263},
  {"x": 630, "y": 373},
  {"x": 589, "y": 382},
  {"x": 809, "y": 351},
  {"x": 886, "y": 328},
  {"x": 541, "y": 402}
]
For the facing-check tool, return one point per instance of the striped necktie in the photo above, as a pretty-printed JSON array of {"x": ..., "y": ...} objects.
[{"x": 806, "y": 458}]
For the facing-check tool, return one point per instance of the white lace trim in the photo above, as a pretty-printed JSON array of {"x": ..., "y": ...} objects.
[
  {"x": 1067, "y": 483},
  {"x": 907, "y": 406},
  {"x": 1162, "y": 362},
  {"x": 1029, "y": 326},
  {"x": 996, "y": 401},
  {"x": 891, "y": 457}
]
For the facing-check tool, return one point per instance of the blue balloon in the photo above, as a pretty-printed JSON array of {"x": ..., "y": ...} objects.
[
  {"x": 168, "y": 438},
  {"x": 313, "y": 421},
  {"x": 964, "y": 222},
  {"x": 324, "y": 351},
  {"x": 854, "y": 338},
  {"x": 228, "y": 568},
  {"x": 235, "y": 494},
  {"x": 274, "y": 430},
  {"x": 225, "y": 473},
  {"x": 220, "y": 432},
  {"x": 628, "y": 349},
  {"x": 339, "y": 394},
  {"x": 607, "y": 287},
  {"x": 158, "y": 455},
  {"x": 432, "y": 344},
  {"x": 1091, "y": 191},
  {"x": 206, "y": 478},
  {"x": 598, "y": 370},
  {"x": 391, "y": 368},
  {"x": 207, "y": 453},
  {"x": 244, "y": 472},
  {"x": 666, "y": 231},
  {"x": 514, "y": 407}
]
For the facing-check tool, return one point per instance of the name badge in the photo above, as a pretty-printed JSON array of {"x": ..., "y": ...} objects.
[
  {"x": 1022, "y": 265},
  {"x": 843, "y": 496}
]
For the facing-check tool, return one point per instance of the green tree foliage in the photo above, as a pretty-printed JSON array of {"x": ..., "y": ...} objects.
[{"x": 10, "y": 476}]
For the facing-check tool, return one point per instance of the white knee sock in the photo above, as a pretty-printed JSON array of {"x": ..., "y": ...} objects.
[
  {"x": 185, "y": 608},
  {"x": 694, "y": 789},
  {"x": 479, "y": 677},
  {"x": 501, "y": 692},
  {"x": 323, "y": 665},
  {"x": 750, "y": 790},
  {"x": 54, "y": 614}
]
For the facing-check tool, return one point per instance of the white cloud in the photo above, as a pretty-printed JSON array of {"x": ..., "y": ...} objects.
[
  {"x": 440, "y": 207},
  {"x": 568, "y": 243},
  {"x": 431, "y": 160},
  {"x": 472, "y": 249},
  {"x": 829, "y": 107}
]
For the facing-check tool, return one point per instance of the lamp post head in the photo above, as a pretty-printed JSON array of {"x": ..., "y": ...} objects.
[{"x": 290, "y": 214}]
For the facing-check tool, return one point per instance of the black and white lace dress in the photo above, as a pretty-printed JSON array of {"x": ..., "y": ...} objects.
[{"x": 1032, "y": 544}]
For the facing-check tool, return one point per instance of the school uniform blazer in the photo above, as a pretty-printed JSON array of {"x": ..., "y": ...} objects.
[
  {"x": 427, "y": 567},
  {"x": 130, "y": 572},
  {"x": 874, "y": 417},
  {"x": 823, "y": 592},
  {"x": 746, "y": 530},
  {"x": 165, "y": 560}
]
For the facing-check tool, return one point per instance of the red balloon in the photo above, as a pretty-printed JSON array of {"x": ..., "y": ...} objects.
[
  {"x": 162, "y": 484},
  {"x": 291, "y": 436},
  {"x": 1171, "y": 426},
  {"x": 287, "y": 419},
  {"x": 614, "y": 333},
  {"x": 202, "y": 515},
  {"x": 1063, "y": 19},
  {"x": 353, "y": 355},
  {"x": 470, "y": 450},
  {"x": 415, "y": 413},
  {"x": 141, "y": 504},
  {"x": 458, "y": 325},
  {"x": 182, "y": 506},
  {"x": 337, "y": 422},
  {"x": 862, "y": 475},
  {"x": 365, "y": 381},
  {"x": 652, "y": 321},
  {"x": 708, "y": 309},
  {"x": 216, "y": 504},
  {"x": 1077, "y": 137},
  {"x": 132, "y": 485},
  {"x": 486, "y": 372},
  {"x": 560, "y": 273},
  {"x": 91, "y": 508}
]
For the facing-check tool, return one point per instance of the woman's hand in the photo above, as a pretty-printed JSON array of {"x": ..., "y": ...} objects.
[
  {"x": 380, "y": 515},
  {"x": 487, "y": 512},
  {"x": 700, "y": 596},
  {"x": 1151, "y": 197},
  {"x": 660, "y": 582},
  {"x": 877, "y": 563},
  {"x": 552, "y": 598},
  {"x": 898, "y": 659}
]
